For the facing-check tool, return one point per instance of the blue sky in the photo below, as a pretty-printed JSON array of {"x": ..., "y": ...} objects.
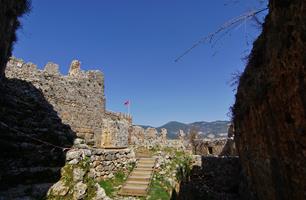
[{"x": 135, "y": 42}]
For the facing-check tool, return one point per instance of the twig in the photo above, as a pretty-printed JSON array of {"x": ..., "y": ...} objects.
[{"x": 228, "y": 25}]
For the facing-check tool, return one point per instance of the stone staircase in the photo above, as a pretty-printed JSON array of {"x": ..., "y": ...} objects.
[{"x": 138, "y": 182}]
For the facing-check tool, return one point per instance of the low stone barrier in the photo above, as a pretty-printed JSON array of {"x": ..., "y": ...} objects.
[
  {"x": 103, "y": 163},
  {"x": 85, "y": 167}
]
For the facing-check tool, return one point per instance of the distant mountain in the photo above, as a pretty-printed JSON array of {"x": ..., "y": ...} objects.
[
  {"x": 173, "y": 127},
  {"x": 206, "y": 129}
]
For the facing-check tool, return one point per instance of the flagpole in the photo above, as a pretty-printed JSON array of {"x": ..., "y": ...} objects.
[{"x": 129, "y": 107}]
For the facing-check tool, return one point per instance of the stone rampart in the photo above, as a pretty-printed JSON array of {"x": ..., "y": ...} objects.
[{"x": 78, "y": 97}]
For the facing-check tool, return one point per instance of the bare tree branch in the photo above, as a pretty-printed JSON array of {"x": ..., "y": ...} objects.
[{"x": 227, "y": 27}]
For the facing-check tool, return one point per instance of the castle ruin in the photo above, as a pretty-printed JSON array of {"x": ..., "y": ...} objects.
[{"x": 79, "y": 100}]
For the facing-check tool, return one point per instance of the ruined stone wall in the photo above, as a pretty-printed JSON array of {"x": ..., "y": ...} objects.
[
  {"x": 150, "y": 137},
  {"x": 270, "y": 108},
  {"x": 32, "y": 138},
  {"x": 103, "y": 162},
  {"x": 78, "y": 97},
  {"x": 147, "y": 137},
  {"x": 216, "y": 147},
  {"x": 115, "y": 129}
]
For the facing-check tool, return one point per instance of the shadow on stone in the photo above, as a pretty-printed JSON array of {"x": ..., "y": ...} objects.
[
  {"x": 28, "y": 166},
  {"x": 217, "y": 178},
  {"x": 229, "y": 148}
]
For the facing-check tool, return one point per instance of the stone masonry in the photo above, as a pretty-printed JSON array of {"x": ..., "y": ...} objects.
[
  {"x": 216, "y": 147},
  {"x": 78, "y": 99},
  {"x": 270, "y": 108}
]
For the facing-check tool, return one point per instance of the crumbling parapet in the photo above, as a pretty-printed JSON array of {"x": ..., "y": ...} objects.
[
  {"x": 163, "y": 135},
  {"x": 215, "y": 147},
  {"x": 151, "y": 133},
  {"x": 75, "y": 68},
  {"x": 137, "y": 135},
  {"x": 150, "y": 137},
  {"x": 118, "y": 116},
  {"x": 181, "y": 135}
]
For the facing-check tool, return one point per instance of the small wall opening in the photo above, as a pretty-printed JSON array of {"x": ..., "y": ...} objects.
[{"x": 210, "y": 150}]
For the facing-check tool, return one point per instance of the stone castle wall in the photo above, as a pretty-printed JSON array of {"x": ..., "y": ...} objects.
[
  {"x": 79, "y": 100},
  {"x": 216, "y": 147},
  {"x": 270, "y": 108},
  {"x": 115, "y": 130},
  {"x": 145, "y": 137},
  {"x": 150, "y": 137}
]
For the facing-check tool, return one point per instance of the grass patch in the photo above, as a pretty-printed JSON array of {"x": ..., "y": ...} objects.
[
  {"x": 119, "y": 177},
  {"x": 107, "y": 185},
  {"x": 111, "y": 186},
  {"x": 91, "y": 188},
  {"x": 67, "y": 176},
  {"x": 131, "y": 166},
  {"x": 158, "y": 191}
]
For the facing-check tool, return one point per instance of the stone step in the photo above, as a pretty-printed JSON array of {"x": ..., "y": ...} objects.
[
  {"x": 146, "y": 160},
  {"x": 144, "y": 171},
  {"x": 144, "y": 182},
  {"x": 134, "y": 190},
  {"x": 145, "y": 165},
  {"x": 143, "y": 168},
  {"x": 138, "y": 182},
  {"x": 141, "y": 173},
  {"x": 135, "y": 187},
  {"x": 139, "y": 178}
]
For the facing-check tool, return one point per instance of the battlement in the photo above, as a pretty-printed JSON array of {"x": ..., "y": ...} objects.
[
  {"x": 16, "y": 65},
  {"x": 118, "y": 115}
]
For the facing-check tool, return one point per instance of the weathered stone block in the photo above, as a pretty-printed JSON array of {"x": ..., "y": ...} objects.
[{"x": 52, "y": 69}]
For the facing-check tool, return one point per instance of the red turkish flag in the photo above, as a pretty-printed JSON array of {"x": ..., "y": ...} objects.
[{"x": 126, "y": 103}]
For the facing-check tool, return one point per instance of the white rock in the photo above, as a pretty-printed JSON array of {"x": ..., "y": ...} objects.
[
  {"x": 86, "y": 152},
  {"x": 111, "y": 175},
  {"x": 59, "y": 189},
  {"x": 79, "y": 190},
  {"x": 73, "y": 154},
  {"x": 100, "y": 193},
  {"x": 73, "y": 162},
  {"x": 78, "y": 141},
  {"x": 78, "y": 174}
]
